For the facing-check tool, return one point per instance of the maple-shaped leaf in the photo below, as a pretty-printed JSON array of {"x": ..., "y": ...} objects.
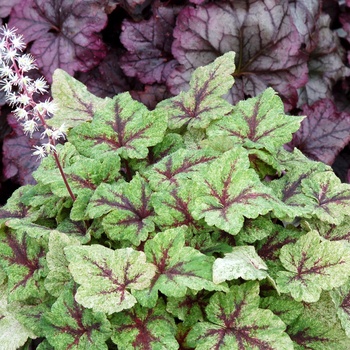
[
  {"x": 124, "y": 127},
  {"x": 325, "y": 63},
  {"x": 257, "y": 31},
  {"x": 23, "y": 260},
  {"x": 242, "y": 262},
  {"x": 70, "y": 326},
  {"x": 75, "y": 104},
  {"x": 127, "y": 205},
  {"x": 177, "y": 267},
  {"x": 107, "y": 79},
  {"x": 329, "y": 197},
  {"x": 191, "y": 308},
  {"x": 178, "y": 166},
  {"x": 257, "y": 123},
  {"x": 341, "y": 299},
  {"x": 142, "y": 328},
  {"x": 228, "y": 191},
  {"x": 236, "y": 322},
  {"x": 58, "y": 276},
  {"x": 148, "y": 43},
  {"x": 331, "y": 232},
  {"x": 203, "y": 102},
  {"x": 106, "y": 275},
  {"x": 63, "y": 33},
  {"x": 172, "y": 207},
  {"x": 312, "y": 265},
  {"x": 324, "y": 133},
  {"x": 13, "y": 334},
  {"x": 318, "y": 327}
]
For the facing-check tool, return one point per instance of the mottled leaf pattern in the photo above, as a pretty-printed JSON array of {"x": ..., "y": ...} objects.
[
  {"x": 203, "y": 102},
  {"x": 242, "y": 262},
  {"x": 313, "y": 265},
  {"x": 178, "y": 267},
  {"x": 230, "y": 191},
  {"x": 106, "y": 275},
  {"x": 236, "y": 322},
  {"x": 127, "y": 205},
  {"x": 257, "y": 123},
  {"x": 143, "y": 328},
  {"x": 124, "y": 127},
  {"x": 70, "y": 326}
]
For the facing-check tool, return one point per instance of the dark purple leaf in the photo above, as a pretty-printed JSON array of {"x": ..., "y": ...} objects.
[
  {"x": 151, "y": 95},
  {"x": 148, "y": 43},
  {"x": 134, "y": 8},
  {"x": 63, "y": 33},
  {"x": 18, "y": 160},
  {"x": 325, "y": 64},
  {"x": 324, "y": 133},
  {"x": 107, "y": 79},
  {"x": 262, "y": 34},
  {"x": 6, "y": 7}
]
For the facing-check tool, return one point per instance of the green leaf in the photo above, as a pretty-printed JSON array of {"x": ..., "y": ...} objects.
[
  {"x": 227, "y": 190},
  {"x": 70, "y": 326},
  {"x": 178, "y": 167},
  {"x": 57, "y": 263},
  {"x": 130, "y": 215},
  {"x": 258, "y": 122},
  {"x": 313, "y": 265},
  {"x": 12, "y": 333},
  {"x": 236, "y": 322},
  {"x": 105, "y": 275},
  {"x": 329, "y": 197},
  {"x": 178, "y": 267},
  {"x": 341, "y": 299},
  {"x": 242, "y": 262},
  {"x": 203, "y": 102},
  {"x": 124, "y": 127},
  {"x": 75, "y": 104},
  {"x": 318, "y": 327},
  {"x": 22, "y": 258},
  {"x": 142, "y": 328}
]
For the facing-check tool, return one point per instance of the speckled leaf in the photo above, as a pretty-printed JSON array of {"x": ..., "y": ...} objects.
[
  {"x": 12, "y": 333},
  {"x": 242, "y": 262},
  {"x": 329, "y": 197},
  {"x": 228, "y": 191},
  {"x": 203, "y": 102},
  {"x": 312, "y": 265},
  {"x": 124, "y": 127},
  {"x": 180, "y": 165},
  {"x": 318, "y": 327},
  {"x": 127, "y": 205},
  {"x": 22, "y": 258},
  {"x": 75, "y": 104},
  {"x": 178, "y": 267},
  {"x": 142, "y": 329},
  {"x": 106, "y": 275},
  {"x": 257, "y": 123},
  {"x": 237, "y": 323},
  {"x": 57, "y": 263},
  {"x": 70, "y": 326}
]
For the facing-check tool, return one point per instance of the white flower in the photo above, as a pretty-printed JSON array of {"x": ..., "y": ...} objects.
[
  {"x": 40, "y": 85},
  {"x": 6, "y": 32},
  {"x": 39, "y": 151},
  {"x": 49, "y": 148},
  {"x": 17, "y": 42},
  {"x": 6, "y": 86},
  {"x": 26, "y": 62},
  {"x": 23, "y": 99},
  {"x": 21, "y": 113},
  {"x": 29, "y": 127},
  {"x": 11, "y": 98},
  {"x": 6, "y": 71}
]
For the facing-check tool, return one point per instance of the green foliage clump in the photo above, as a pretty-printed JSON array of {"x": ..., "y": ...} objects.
[{"x": 192, "y": 227}]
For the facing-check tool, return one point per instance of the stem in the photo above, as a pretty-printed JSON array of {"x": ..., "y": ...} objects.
[{"x": 58, "y": 163}]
